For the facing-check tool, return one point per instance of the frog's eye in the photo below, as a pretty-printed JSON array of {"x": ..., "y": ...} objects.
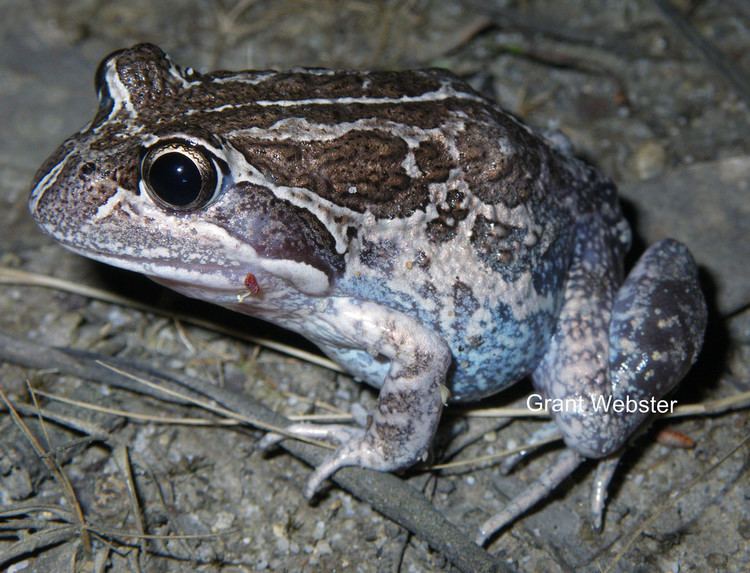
[{"x": 179, "y": 176}]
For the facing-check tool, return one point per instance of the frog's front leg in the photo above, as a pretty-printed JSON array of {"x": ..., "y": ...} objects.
[
  {"x": 613, "y": 344},
  {"x": 400, "y": 429}
]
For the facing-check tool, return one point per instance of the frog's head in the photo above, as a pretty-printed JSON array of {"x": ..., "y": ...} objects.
[{"x": 154, "y": 185}]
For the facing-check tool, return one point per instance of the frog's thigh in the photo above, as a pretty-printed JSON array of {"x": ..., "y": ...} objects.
[
  {"x": 409, "y": 404},
  {"x": 656, "y": 327}
]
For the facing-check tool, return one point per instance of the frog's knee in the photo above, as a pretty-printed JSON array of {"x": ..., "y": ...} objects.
[{"x": 658, "y": 320}]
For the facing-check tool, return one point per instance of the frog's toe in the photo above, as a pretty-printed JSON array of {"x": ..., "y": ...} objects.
[
  {"x": 354, "y": 450},
  {"x": 565, "y": 465},
  {"x": 605, "y": 471},
  {"x": 364, "y": 451},
  {"x": 336, "y": 433},
  {"x": 269, "y": 441},
  {"x": 350, "y": 454}
]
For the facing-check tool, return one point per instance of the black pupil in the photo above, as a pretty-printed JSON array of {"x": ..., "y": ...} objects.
[{"x": 176, "y": 179}]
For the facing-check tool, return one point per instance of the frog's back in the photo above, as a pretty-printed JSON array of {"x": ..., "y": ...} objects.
[
  {"x": 419, "y": 193},
  {"x": 404, "y": 188}
]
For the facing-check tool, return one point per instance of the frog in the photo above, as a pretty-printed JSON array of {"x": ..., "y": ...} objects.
[{"x": 432, "y": 244}]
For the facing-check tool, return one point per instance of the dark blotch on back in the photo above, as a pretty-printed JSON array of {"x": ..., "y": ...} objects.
[
  {"x": 494, "y": 174},
  {"x": 450, "y": 214},
  {"x": 360, "y": 170},
  {"x": 433, "y": 161},
  {"x": 500, "y": 247}
]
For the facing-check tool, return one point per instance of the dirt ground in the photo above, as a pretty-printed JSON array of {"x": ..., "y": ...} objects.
[{"x": 666, "y": 118}]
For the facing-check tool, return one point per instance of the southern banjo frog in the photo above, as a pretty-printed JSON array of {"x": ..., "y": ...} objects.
[{"x": 418, "y": 234}]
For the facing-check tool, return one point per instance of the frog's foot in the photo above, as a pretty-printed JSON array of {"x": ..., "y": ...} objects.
[
  {"x": 566, "y": 464},
  {"x": 361, "y": 451},
  {"x": 357, "y": 447},
  {"x": 540, "y": 489}
]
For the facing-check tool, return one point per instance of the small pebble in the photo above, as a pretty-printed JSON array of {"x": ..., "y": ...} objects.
[
  {"x": 323, "y": 547},
  {"x": 649, "y": 160}
]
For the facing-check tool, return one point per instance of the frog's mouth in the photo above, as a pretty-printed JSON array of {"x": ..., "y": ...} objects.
[
  {"x": 221, "y": 284},
  {"x": 209, "y": 282}
]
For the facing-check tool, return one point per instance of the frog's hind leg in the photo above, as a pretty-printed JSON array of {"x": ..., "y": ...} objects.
[
  {"x": 616, "y": 365},
  {"x": 629, "y": 344}
]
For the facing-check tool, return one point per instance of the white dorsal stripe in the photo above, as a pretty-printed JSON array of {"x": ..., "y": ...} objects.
[
  {"x": 118, "y": 92},
  {"x": 446, "y": 91}
]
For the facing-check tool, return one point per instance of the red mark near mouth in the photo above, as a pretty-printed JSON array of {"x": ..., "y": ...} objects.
[{"x": 251, "y": 284}]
